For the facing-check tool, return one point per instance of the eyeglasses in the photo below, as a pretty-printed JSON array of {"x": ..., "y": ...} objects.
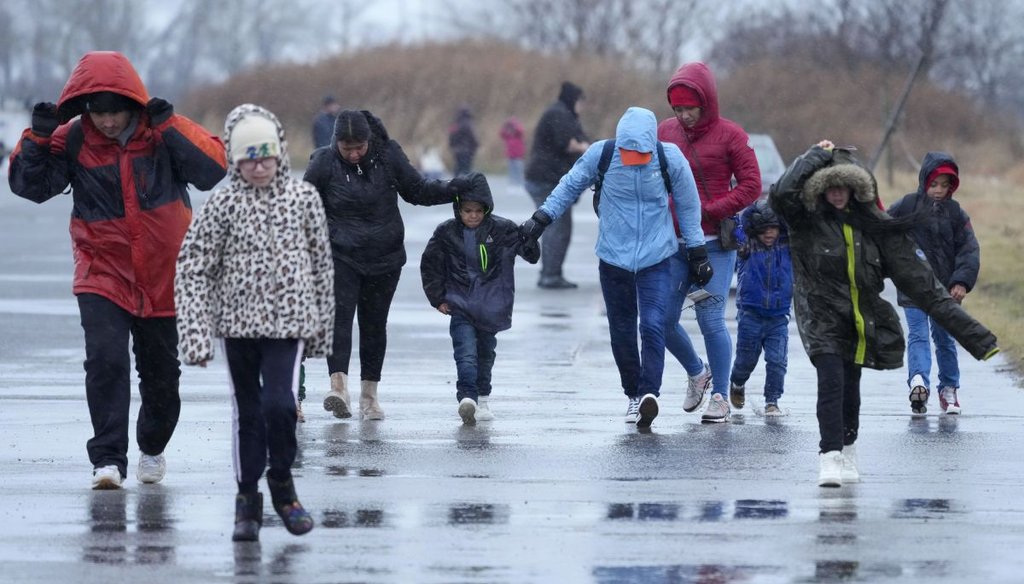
[{"x": 268, "y": 162}]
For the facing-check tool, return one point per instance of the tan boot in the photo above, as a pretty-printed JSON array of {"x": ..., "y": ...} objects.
[
  {"x": 337, "y": 401},
  {"x": 368, "y": 405}
]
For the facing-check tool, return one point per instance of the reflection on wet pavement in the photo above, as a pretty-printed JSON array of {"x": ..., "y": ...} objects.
[
  {"x": 706, "y": 511},
  {"x": 477, "y": 514},
  {"x": 110, "y": 542},
  {"x": 337, "y": 519},
  {"x": 679, "y": 574},
  {"x": 922, "y": 508}
]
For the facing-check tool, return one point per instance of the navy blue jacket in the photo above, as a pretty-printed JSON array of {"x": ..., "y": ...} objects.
[{"x": 764, "y": 281}]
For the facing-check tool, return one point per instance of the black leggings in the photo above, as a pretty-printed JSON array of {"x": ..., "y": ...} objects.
[
  {"x": 372, "y": 296},
  {"x": 838, "y": 401}
]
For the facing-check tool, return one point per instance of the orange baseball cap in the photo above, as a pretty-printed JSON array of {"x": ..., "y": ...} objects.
[{"x": 634, "y": 158}]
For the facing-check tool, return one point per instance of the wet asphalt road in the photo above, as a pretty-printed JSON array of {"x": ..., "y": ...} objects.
[{"x": 557, "y": 489}]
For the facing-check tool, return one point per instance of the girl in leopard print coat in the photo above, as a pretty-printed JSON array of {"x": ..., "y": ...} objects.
[{"x": 255, "y": 269}]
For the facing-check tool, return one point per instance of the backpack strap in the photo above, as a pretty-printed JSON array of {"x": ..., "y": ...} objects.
[
  {"x": 602, "y": 167},
  {"x": 663, "y": 162}
]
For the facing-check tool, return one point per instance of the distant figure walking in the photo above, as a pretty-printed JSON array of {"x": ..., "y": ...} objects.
[
  {"x": 323, "y": 122},
  {"x": 462, "y": 141},
  {"x": 514, "y": 136}
]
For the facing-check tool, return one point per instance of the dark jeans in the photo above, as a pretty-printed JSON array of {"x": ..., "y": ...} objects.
[
  {"x": 556, "y": 238},
  {"x": 372, "y": 296},
  {"x": 264, "y": 384},
  {"x": 838, "y": 401},
  {"x": 154, "y": 342},
  {"x": 474, "y": 358},
  {"x": 627, "y": 296},
  {"x": 754, "y": 332}
]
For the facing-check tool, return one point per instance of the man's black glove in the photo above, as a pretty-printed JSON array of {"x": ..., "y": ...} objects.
[
  {"x": 531, "y": 229},
  {"x": 159, "y": 110},
  {"x": 44, "y": 119},
  {"x": 700, "y": 265},
  {"x": 459, "y": 186}
]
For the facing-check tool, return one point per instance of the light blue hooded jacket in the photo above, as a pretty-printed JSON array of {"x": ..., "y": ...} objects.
[{"x": 635, "y": 229}]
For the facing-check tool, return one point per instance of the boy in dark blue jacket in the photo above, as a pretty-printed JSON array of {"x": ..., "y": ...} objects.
[
  {"x": 764, "y": 294},
  {"x": 468, "y": 274},
  {"x": 944, "y": 233}
]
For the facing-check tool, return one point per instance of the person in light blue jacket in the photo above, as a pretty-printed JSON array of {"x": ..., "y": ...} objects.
[{"x": 635, "y": 240}]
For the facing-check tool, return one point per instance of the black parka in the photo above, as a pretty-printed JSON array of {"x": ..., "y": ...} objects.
[
  {"x": 487, "y": 299},
  {"x": 839, "y": 270},
  {"x": 942, "y": 230},
  {"x": 361, "y": 200}
]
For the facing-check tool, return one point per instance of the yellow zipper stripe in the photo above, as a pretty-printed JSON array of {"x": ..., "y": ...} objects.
[
  {"x": 851, "y": 273},
  {"x": 483, "y": 258}
]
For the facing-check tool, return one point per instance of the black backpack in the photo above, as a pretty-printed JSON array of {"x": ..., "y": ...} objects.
[{"x": 606, "y": 159}]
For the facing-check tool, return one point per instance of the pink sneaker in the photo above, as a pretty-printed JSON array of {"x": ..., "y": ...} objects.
[{"x": 948, "y": 400}]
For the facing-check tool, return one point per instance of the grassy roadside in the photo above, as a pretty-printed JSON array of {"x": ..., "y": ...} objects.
[{"x": 996, "y": 207}]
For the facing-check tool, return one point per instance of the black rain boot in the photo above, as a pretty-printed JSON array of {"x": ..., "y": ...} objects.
[
  {"x": 296, "y": 519},
  {"x": 248, "y": 517}
]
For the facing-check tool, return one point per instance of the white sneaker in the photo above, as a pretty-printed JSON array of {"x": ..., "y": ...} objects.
[
  {"x": 850, "y": 473},
  {"x": 647, "y": 411},
  {"x": 151, "y": 468},
  {"x": 106, "y": 478},
  {"x": 633, "y": 410},
  {"x": 948, "y": 400},
  {"x": 830, "y": 469},
  {"x": 717, "y": 412},
  {"x": 483, "y": 409},
  {"x": 697, "y": 389},
  {"x": 467, "y": 410},
  {"x": 918, "y": 396}
]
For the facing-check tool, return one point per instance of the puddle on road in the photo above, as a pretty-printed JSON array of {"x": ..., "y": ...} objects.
[
  {"x": 338, "y": 519},
  {"x": 344, "y": 471},
  {"x": 478, "y": 514},
  {"x": 705, "y": 511}
]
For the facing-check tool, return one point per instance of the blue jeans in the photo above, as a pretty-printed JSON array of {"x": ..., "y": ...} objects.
[
  {"x": 754, "y": 332},
  {"x": 628, "y": 295},
  {"x": 515, "y": 171},
  {"x": 919, "y": 351},
  {"x": 710, "y": 317},
  {"x": 474, "y": 358}
]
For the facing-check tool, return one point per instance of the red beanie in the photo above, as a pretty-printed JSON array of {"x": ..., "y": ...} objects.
[
  {"x": 954, "y": 180},
  {"x": 683, "y": 96}
]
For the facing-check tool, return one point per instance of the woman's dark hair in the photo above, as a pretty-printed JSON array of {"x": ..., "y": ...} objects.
[{"x": 351, "y": 126}]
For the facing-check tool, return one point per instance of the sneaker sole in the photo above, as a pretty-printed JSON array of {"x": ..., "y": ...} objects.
[
  {"x": 336, "y": 406},
  {"x": 648, "y": 411},
  {"x": 919, "y": 400},
  {"x": 106, "y": 484},
  {"x": 830, "y": 483}
]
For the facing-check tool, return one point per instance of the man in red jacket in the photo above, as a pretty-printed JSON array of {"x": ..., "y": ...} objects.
[
  {"x": 719, "y": 153},
  {"x": 129, "y": 160}
]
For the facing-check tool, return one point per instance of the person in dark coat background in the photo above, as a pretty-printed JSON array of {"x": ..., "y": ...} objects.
[
  {"x": 360, "y": 177},
  {"x": 843, "y": 247},
  {"x": 944, "y": 232},
  {"x": 557, "y": 142},
  {"x": 462, "y": 141},
  {"x": 323, "y": 122},
  {"x": 468, "y": 272}
]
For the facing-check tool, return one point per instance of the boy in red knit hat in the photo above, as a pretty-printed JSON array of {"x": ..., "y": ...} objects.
[{"x": 944, "y": 233}]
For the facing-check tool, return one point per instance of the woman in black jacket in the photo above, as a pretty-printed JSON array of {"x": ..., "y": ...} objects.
[{"x": 360, "y": 177}]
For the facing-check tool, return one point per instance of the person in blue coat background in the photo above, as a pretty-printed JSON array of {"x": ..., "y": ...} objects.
[{"x": 635, "y": 240}]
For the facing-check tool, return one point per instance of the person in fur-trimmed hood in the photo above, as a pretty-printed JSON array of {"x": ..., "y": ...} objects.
[
  {"x": 843, "y": 247},
  {"x": 468, "y": 273},
  {"x": 255, "y": 269},
  {"x": 943, "y": 230}
]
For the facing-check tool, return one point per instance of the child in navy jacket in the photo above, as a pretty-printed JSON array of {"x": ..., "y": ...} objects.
[
  {"x": 764, "y": 294},
  {"x": 468, "y": 274}
]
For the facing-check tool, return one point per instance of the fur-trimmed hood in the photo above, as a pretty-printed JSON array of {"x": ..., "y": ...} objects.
[{"x": 851, "y": 175}]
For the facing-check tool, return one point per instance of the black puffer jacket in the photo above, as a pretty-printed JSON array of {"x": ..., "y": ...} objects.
[
  {"x": 943, "y": 230},
  {"x": 839, "y": 269},
  {"x": 361, "y": 200},
  {"x": 483, "y": 290}
]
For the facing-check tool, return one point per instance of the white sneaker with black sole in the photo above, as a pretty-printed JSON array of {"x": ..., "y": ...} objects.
[
  {"x": 648, "y": 410},
  {"x": 106, "y": 478}
]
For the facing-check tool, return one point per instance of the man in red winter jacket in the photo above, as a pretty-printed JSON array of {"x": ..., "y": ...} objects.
[
  {"x": 719, "y": 152},
  {"x": 129, "y": 160}
]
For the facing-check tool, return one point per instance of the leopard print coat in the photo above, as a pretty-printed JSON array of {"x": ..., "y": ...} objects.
[{"x": 256, "y": 263}]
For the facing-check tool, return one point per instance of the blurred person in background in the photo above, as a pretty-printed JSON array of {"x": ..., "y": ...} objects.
[{"x": 323, "y": 122}]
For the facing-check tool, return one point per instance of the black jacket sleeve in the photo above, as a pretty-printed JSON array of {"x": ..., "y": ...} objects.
[
  {"x": 968, "y": 253},
  {"x": 432, "y": 268},
  {"x": 410, "y": 183},
  {"x": 39, "y": 169}
]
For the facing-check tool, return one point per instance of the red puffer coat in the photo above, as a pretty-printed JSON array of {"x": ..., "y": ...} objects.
[
  {"x": 131, "y": 207},
  {"x": 717, "y": 148}
]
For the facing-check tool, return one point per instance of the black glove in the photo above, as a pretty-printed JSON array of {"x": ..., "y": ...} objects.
[
  {"x": 531, "y": 229},
  {"x": 159, "y": 110},
  {"x": 44, "y": 119},
  {"x": 458, "y": 186},
  {"x": 700, "y": 265}
]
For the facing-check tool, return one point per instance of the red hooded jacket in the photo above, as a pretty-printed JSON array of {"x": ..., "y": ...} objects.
[
  {"x": 717, "y": 148},
  {"x": 131, "y": 205}
]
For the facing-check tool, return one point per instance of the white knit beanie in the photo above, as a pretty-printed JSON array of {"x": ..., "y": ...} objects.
[{"x": 254, "y": 136}]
